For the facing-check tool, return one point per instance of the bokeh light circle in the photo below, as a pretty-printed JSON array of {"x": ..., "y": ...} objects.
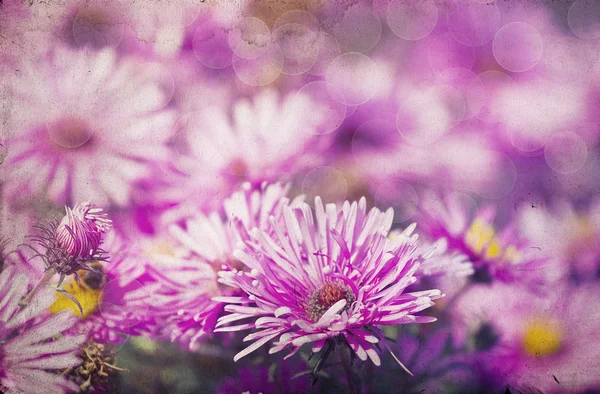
[
  {"x": 319, "y": 96},
  {"x": 69, "y": 132},
  {"x": 565, "y": 152},
  {"x": 211, "y": 46},
  {"x": 473, "y": 23},
  {"x": 326, "y": 182},
  {"x": 468, "y": 84},
  {"x": 153, "y": 75},
  {"x": 492, "y": 81},
  {"x": 250, "y": 38},
  {"x": 355, "y": 76},
  {"x": 584, "y": 19},
  {"x": 445, "y": 52},
  {"x": 517, "y": 47},
  {"x": 495, "y": 177},
  {"x": 400, "y": 195},
  {"x": 425, "y": 116},
  {"x": 299, "y": 47},
  {"x": 262, "y": 70},
  {"x": 412, "y": 20},
  {"x": 97, "y": 26},
  {"x": 329, "y": 49},
  {"x": 359, "y": 28}
]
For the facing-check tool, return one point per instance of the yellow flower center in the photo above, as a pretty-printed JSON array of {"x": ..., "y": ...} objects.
[
  {"x": 481, "y": 238},
  {"x": 542, "y": 339},
  {"x": 88, "y": 292}
]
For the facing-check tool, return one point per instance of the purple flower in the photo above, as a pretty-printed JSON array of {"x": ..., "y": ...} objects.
[
  {"x": 270, "y": 138},
  {"x": 575, "y": 253},
  {"x": 114, "y": 296},
  {"x": 85, "y": 126},
  {"x": 28, "y": 348},
  {"x": 503, "y": 255},
  {"x": 81, "y": 229},
  {"x": 310, "y": 281},
  {"x": 439, "y": 260},
  {"x": 547, "y": 341},
  {"x": 188, "y": 274}
]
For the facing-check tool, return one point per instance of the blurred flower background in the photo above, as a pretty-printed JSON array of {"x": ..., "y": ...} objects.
[{"x": 203, "y": 196}]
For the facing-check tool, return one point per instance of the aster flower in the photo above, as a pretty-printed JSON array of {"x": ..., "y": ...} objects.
[
  {"x": 338, "y": 277},
  {"x": 543, "y": 341},
  {"x": 80, "y": 231},
  {"x": 575, "y": 254},
  {"x": 104, "y": 132},
  {"x": 439, "y": 261},
  {"x": 71, "y": 244},
  {"x": 268, "y": 138},
  {"x": 204, "y": 245},
  {"x": 113, "y": 297},
  {"x": 29, "y": 352},
  {"x": 503, "y": 255}
]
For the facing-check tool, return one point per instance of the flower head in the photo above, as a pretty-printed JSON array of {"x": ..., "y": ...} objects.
[
  {"x": 542, "y": 339},
  {"x": 81, "y": 229},
  {"x": 494, "y": 255},
  {"x": 270, "y": 138},
  {"x": 85, "y": 126},
  {"x": 28, "y": 349},
  {"x": 205, "y": 245},
  {"x": 74, "y": 242},
  {"x": 113, "y": 297},
  {"x": 338, "y": 277}
]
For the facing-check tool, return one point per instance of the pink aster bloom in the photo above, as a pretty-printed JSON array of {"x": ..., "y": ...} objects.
[
  {"x": 84, "y": 126},
  {"x": 114, "y": 296},
  {"x": 205, "y": 245},
  {"x": 338, "y": 277},
  {"x": 266, "y": 138},
  {"x": 29, "y": 354},
  {"x": 545, "y": 342},
  {"x": 502, "y": 255},
  {"x": 81, "y": 229},
  {"x": 575, "y": 253}
]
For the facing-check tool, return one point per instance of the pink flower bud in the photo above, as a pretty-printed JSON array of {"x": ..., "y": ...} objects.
[{"x": 81, "y": 229}]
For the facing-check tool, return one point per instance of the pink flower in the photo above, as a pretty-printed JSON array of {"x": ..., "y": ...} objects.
[
  {"x": 546, "y": 341},
  {"x": 29, "y": 352},
  {"x": 268, "y": 138},
  {"x": 206, "y": 243},
  {"x": 80, "y": 231},
  {"x": 495, "y": 255},
  {"x": 338, "y": 277},
  {"x": 115, "y": 296},
  {"x": 84, "y": 126}
]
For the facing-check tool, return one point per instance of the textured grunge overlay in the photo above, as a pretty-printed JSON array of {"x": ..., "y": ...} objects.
[{"x": 299, "y": 196}]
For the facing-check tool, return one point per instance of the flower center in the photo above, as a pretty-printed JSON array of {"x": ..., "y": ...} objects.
[
  {"x": 237, "y": 169},
  {"x": 481, "y": 238},
  {"x": 542, "y": 339},
  {"x": 327, "y": 295},
  {"x": 69, "y": 133},
  {"x": 88, "y": 293}
]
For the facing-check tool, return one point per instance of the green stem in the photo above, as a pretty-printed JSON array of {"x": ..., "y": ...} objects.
[{"x": 42, "y": 283}]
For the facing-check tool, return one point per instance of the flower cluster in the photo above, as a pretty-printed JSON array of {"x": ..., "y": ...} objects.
[{"x": 299, "y": 196}]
